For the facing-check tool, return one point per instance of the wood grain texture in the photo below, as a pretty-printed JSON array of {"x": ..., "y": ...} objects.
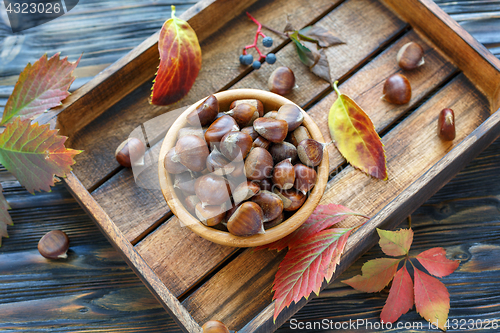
[{"x": 220, "y": 69}]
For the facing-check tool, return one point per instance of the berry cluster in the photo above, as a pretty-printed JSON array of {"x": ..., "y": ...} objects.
[{"x": 246, "y": 59}]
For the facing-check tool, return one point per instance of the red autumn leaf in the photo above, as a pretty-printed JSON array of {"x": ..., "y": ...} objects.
[
  {"x": 305, "y": 266},
  {"x": 323, "y": 216},
  {"x": 337, "y": 253},
  {"x": 376, "y": 274},
  {"x": 40, "y": 86},
  {"x": 180, "y": 61},
  {"x": 34, "y": 154},
  {"x": 395, "y": 243},
  {"x": 400, "y": 299},
  {"x": 355, "y": 136},
  {"x": 432, "y": 299},
  {"x": 5, "y": 218},
  {"x": 435, "y": 262}
]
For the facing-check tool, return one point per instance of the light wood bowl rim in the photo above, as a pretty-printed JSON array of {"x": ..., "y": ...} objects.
[{"x": 270, "y": 101}]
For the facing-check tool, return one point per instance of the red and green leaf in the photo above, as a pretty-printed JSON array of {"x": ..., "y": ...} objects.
[
  {"x": 305, "y": 267},
  {"x": 432, "y": 299},
  {"x": 435, "y": 262},
  {"x": 395, "y": 243},
  {"x": 400, "y": 299},
  {"x": 35, "y": 154},
  {"x": 5, "y": 218},
  {"x": 376, "y": 274},
  {"x": 180, "y": 61},
  {"x": 40, "y": 86},
  {"x": 324, "y": 216},
  {"x": 355, "y": 136}
]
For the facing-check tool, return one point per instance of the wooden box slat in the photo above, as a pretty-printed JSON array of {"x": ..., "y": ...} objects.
[{"x": 172, "y": 261}]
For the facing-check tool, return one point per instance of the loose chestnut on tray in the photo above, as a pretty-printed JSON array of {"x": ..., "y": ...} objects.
[{"x": 247, "y": 174}]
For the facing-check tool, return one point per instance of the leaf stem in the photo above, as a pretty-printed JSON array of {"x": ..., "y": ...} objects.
[
  {"x": 409, "y": 221},
  {"x": 336, "y": 88},
  {"x": 173, "y": 11}
]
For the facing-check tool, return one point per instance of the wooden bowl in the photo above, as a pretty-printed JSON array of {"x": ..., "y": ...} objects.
[{"x": 271, "y": 101}]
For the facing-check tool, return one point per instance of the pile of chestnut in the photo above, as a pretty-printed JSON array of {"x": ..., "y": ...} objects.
[{"x": 243, "y": 171}]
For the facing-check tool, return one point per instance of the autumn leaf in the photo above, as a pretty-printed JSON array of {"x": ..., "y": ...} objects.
[
  {"x": 305, "y": 266},
  {"x": 400, "y": 299},
  {"x": 324, "y": 216},
  {"x": 40, "y": 86},
  {"x": 5, "y": 218},
  {"x": 355, "y": 136},
  {"x": 432, "y": 299},
  {"x": 323, "y": 37},
  {"x": 435, "y": 262},
  {"x": 376, "y": 274},
  {"x": 180, "y": 61},
  {"x": 395, "y": 243},
  {"x": 34, "y": 154}
]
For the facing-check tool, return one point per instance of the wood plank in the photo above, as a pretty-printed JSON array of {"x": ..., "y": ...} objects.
[
  {"x": 366, "y": 195},
  {"x": 112, "y": 122},
  {"x": 359, "y": 86},
  {"x": 172, "y": 271},
  {"x": 480, "y": 66}
]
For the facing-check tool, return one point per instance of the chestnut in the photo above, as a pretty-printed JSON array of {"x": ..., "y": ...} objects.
[
  {"x": 266, "y": 184},
  {"x": 283, "y": 150},
  {"x": 284, "y": 175},
  {"x": 281, "y": 81},
  {"x": 218, "y": 163},
  {"x": 205, "y": 113},
  {"x": 271, "y": 114},
  {"x": 185, "y": 182},
  {"x": 292, "y": 199},
  {"x": 250, "y": 131},
  {"x": 231, "y": 211},
  {"x": 410, "y": 56},
  {"x": 244, "y": 114},
  {"x": 259, "y": 164},
  {"x": 446, "y": 124},
  {"x": 191, "y": 202},
  {"x": 397, "y": 89},
  {"x": 310, "y": 152},
  {"x": 271, "y": 204},
  {"x": 210, "y": 215},
  {"x": 247, "y": 220},
  {"x": 274, "y": 130},
  {"x": 235, "y": 146},
  {"x": 254, "y": 102},
  {"x": 170, "y": 165},
  {"x": 292, "y": 114},
  {"x": 192, "y": 152},
  {"x": 130, "y": 152},
  {"x": 212, "y": 189},
  {"x": 301, "y": 133},
  {"x": 275, "y": 222},
  {"x": 218, "y": 129},
  {"x": 197, "y": 131},
  {"x": 214, "y": 326},
  {"x": 261, "y": 142},
  {"x": 245, "y": 191},
  {"x": 305, "y": 178},
  {"x": 54, "y": 245}
]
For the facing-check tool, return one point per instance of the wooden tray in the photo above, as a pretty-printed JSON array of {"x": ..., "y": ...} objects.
[{"x": 196, "y": 280}]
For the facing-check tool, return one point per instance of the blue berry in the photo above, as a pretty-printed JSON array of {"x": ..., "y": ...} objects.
[
  {"x": 242, "y": 57},
  {"x": 271, "y": 58},
  {"x": 246, "y": 59},
  {"x": 256, "y": 64},
  {"x": 267, "y": 41}
]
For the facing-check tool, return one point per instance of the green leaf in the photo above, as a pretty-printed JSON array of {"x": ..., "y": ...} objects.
[
  {"x": 305, "y": 54},
  {"x": 35, "y": 154},
  {"x": 356, "y": 137},
  {"x": 5, "y": 218},
  {"x": 40, "y": 87},
  {"x": 376, "y": 274},
  {"x": 395, "y": 243}
]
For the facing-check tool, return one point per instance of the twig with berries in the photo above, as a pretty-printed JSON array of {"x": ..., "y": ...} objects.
[{"x": 247, "y": 59}]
